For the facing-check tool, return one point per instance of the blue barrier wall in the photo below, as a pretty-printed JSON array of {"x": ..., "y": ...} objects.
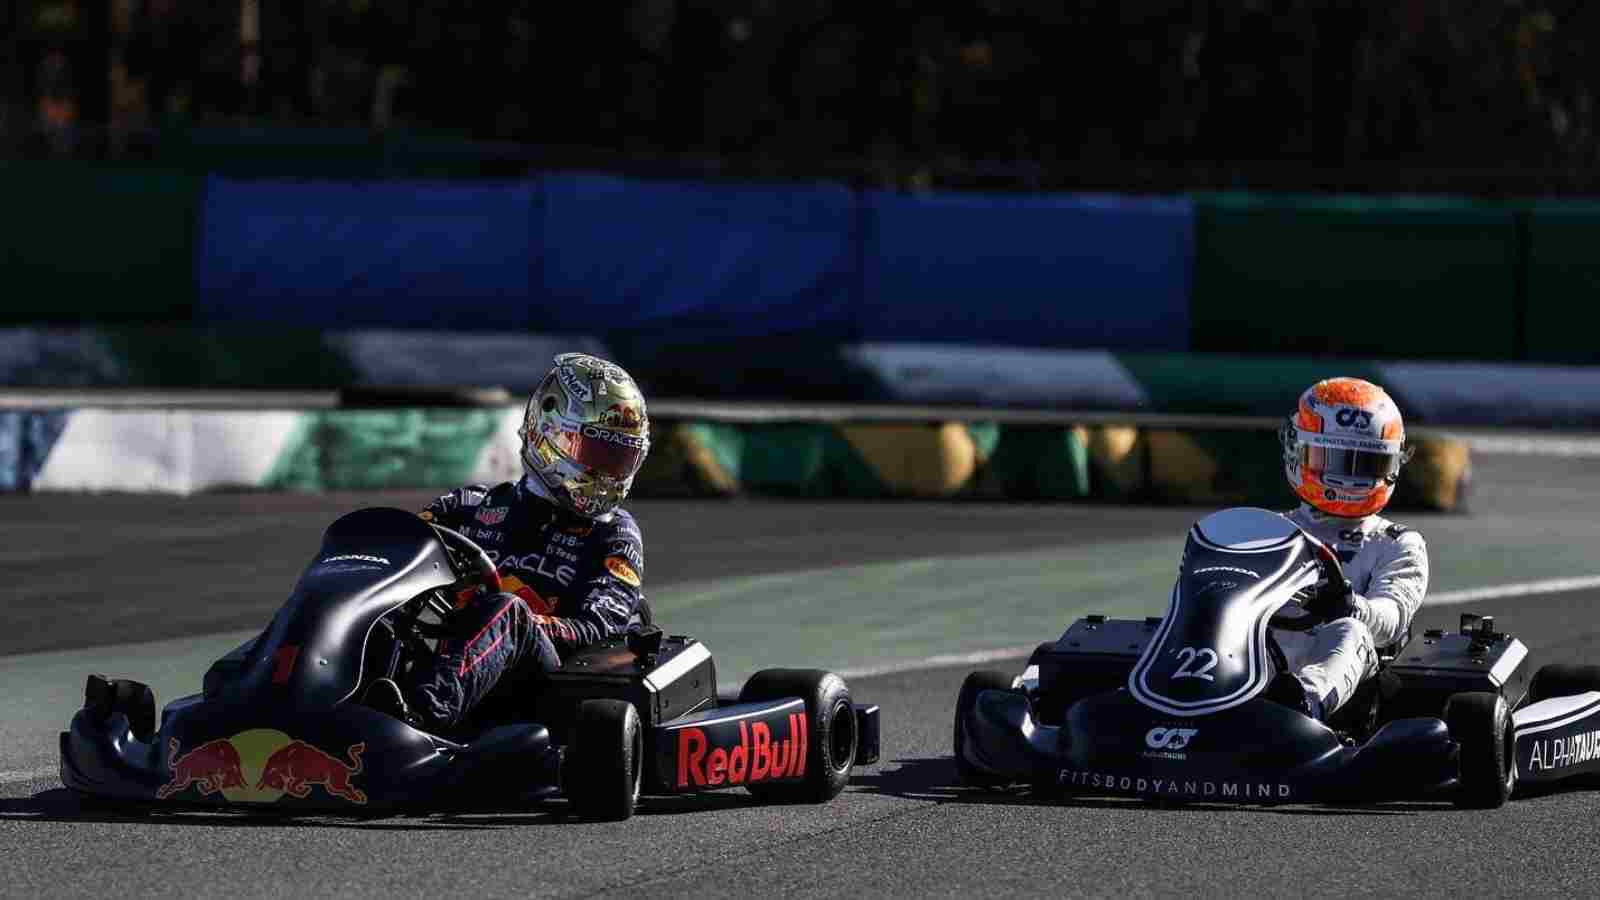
[
  {"x": 382, "y": 253},
  {"x": 1053, "y": 271},
  {"x": 701, "y": 261},
  {"x": 696, "y": 262}
]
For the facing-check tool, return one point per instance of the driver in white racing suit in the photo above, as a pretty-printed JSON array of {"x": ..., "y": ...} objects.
[{"x": 1343, "y": 450}]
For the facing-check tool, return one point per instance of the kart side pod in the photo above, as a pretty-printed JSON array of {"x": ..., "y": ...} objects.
[
  {"x": 758, "y": 743},
  {"x": 694, "y": 742}
]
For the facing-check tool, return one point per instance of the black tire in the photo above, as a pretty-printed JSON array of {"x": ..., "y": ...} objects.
[
  {"x": 1480, "y": 722},
  {"x": 831, "y": 746},
  {"x": 604, "y": 764},
  {"x": 976, "y": 683},
  {"x": 1563, "y": 680},
  {"x": 133, "y": 699}
]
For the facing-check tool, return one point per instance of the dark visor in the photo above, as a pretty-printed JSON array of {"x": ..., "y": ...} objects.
[{"x": 1349, "y": 463}]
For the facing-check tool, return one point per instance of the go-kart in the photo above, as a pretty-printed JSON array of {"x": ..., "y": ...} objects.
[
  {"x": 279, "y": 725},
  {"x": 1174, "y": 707}
]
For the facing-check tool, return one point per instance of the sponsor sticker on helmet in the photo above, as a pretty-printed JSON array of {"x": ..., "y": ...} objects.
[
  {"x": 620, "y": 415},
  {"x": 614, "y": 437},
  {"x": 574, "y": 384},
  {"x": 1354, "y": 418},
  {"x": 619, "y": 567}
]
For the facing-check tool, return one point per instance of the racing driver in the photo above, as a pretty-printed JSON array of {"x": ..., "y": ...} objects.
[
  {"x": 1342, "y": 453},
  {"x": 571, "y": 560}
]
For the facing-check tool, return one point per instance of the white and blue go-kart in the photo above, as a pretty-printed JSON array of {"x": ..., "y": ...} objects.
[{"x": 1174, "y": 707}]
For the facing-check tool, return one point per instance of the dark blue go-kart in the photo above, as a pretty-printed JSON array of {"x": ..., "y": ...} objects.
[
  {"x": 278, "y": 724},
  {"x": 1174, "y": 707}
]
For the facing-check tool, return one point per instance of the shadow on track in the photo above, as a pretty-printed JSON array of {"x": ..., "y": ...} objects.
[
  {"x": 934, "y": 779},
  {"x": 63, "y": 805}
]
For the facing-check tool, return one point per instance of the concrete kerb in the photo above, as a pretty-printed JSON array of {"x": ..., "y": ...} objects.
[{"x": 187, "y": 441}]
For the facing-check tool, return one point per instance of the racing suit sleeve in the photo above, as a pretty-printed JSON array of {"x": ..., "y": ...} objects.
[
  {"x": 608, "y": 598},
  {"x": 451, "y": 509},
  {"x": 1395, "y": 589}
]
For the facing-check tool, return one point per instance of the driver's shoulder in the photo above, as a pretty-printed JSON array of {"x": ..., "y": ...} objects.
[
  {"x": 619, "y": 526},
  {"x": 1400, "y": 535}
]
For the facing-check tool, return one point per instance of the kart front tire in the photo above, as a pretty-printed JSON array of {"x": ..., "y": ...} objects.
[
  {"x": 604, "y": 765},
  {"x": 976, "y": 683},
  {"x": 1563, "y": 680},
  {"x": 1480, "y": 723},
  {"x": 831, "y": 718}
]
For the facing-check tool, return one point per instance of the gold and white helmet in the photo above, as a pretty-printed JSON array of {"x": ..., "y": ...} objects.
[{"x": 585, "y": 433}]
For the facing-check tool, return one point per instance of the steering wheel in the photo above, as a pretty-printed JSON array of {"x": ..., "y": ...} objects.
[
  {"x": 409, "y": 632},
  {"x": 1332, "y": 572},
  {"x": 472, "y": 565}
]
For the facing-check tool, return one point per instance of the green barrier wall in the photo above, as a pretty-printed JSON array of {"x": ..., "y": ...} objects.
[
  {"x": 1385, "y": 277},
  {"x": 87, "y": 243},
  {"x": 1563, "y": 318}
]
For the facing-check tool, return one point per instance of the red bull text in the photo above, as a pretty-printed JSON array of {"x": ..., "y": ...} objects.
[{"x": 756, "y": 756}]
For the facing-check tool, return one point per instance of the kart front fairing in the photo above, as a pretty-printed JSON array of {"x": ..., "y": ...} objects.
[
  {"x": 280, "y": 728},
  {"x": 311, "y": 655},
  {"x": 1210, "y": 654},
  {"x": 1190, "y": 722}
]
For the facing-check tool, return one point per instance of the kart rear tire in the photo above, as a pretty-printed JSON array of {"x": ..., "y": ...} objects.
[
  {"x": 1480, "y": 722},
  {"x": 604, "y": 765},
  {"x": 976, "y": 683},
  {"x": 105, "y": 696},
  {"x": 1563, "y": 680},
  {"x": 831, "y": 718}
]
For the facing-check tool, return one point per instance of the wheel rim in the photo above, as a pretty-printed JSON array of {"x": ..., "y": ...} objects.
[{"x": 842, "y": 736}]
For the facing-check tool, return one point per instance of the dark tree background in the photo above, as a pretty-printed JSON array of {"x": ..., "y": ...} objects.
[{"x": 892, "y": 91}]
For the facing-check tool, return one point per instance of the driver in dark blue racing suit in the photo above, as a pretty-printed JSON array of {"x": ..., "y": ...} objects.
[{"x": 570, "y": 559}]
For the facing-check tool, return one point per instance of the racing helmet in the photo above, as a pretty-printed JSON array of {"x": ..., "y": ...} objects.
[
  {"x": 585, "y": 433},
  {"x": 1344, "y": 447}
]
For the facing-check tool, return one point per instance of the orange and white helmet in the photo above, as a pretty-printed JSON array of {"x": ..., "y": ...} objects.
[{"x": 1344, "y": 446}]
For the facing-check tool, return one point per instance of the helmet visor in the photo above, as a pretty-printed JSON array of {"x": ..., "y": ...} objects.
[
  {"x": 615, "y": 454},
  {"x": 1342, "y": 462}
]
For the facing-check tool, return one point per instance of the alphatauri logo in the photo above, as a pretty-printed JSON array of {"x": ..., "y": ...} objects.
[{"x": 1159, "y": 738}]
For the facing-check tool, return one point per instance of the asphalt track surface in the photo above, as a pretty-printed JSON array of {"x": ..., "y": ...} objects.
[{"x": 104, "y": 574}]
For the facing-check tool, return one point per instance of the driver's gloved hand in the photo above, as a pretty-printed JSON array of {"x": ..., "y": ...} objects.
[{"x": 1333, "y": 599}]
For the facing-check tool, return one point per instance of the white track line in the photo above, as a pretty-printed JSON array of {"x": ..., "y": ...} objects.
[
  {"x": 937, "y": 662},
  {"x": 15, "y": 777},
  {"x": 1496, "y": 592},
  {"x": 1533, "y": 445}
]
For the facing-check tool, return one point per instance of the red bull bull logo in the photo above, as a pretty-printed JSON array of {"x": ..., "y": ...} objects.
[
  {"x": 263, "y": 766},
  {"x": 298, "y": 767},
  {"x": 213, "y": 766},
  {"x": 756, "y": 757}
]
